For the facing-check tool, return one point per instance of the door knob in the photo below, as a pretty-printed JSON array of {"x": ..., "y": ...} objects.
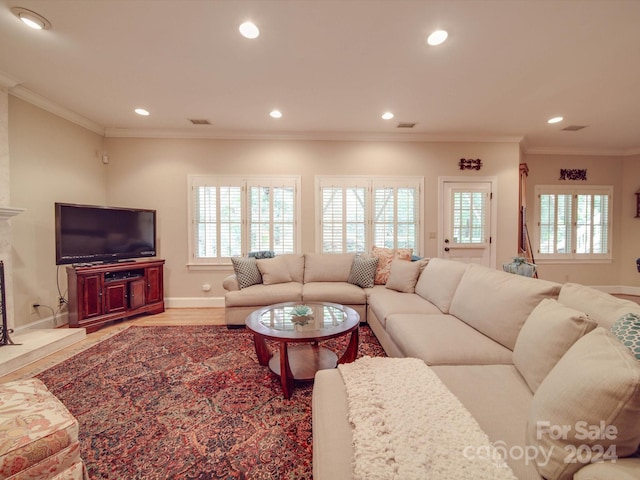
[
  {"x": 446, "y": 249},
  {"x": 446, "y": 240}
]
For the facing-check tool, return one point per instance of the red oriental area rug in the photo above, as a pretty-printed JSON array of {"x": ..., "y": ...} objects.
[{"x": 187, "y": 402}]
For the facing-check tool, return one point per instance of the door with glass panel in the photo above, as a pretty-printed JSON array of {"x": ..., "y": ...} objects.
[{"x": 466, "y": 232}]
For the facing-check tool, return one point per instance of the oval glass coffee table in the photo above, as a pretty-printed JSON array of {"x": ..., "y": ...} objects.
[{"x": 300, "y": 355}]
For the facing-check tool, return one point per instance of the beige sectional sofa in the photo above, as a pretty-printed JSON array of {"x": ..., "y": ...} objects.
[
  {"x": 524, "y": 356},
  {"x": 296, "y": 277}
]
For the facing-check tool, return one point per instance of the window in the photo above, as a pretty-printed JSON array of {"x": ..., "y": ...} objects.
[
  {"x": 469, "y": 211},
  {"x": 574, "y": 223},
  {"x": 357, "y": 213},
  {"x": 232, "y": 216}
]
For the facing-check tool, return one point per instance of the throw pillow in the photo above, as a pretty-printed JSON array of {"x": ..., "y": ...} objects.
[
  {"x": 363, "y": 271},
  {"x": 549, "y": 331},
  {"x": 274, "y": 270},
  {"x": 246, "y": 270},
  {"x": 403, "y": 275},
  {"x": 627, "y": 329},
  {"x": 588, "y": 405},
  {"x": 262, "y": 254},
  {"x": 385, "y": 257}
]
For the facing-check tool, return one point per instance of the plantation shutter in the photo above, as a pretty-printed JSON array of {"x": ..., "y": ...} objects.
[
  {"x": 231, "y": 216},
  {"x": 395, "y": 214},
  {"x": 574, "y": 223},
  {"x": 272, "y": 218},
  {"x": 217, "y": 219},
  {"x": 343, "y": 218}
]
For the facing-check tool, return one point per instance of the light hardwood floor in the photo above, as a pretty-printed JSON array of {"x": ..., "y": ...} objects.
[{"x": 171, "y": 316}]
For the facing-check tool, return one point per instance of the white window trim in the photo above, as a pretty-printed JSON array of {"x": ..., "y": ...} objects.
[
  {"x": 572, "y": 258},
  {"x": 224, "y": 263},
  {"x": 369, "y": 181}
]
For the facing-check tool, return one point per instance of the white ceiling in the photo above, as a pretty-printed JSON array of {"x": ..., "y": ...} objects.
[{"x": 333, "y": 67}]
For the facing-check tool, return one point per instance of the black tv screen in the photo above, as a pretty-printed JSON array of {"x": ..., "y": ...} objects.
[{"x": 88, "y": 233}]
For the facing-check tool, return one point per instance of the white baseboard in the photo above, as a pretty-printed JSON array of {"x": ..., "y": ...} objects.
[
  {"x": 194, "y": 302},
  {"x": 45, "y": 323}
]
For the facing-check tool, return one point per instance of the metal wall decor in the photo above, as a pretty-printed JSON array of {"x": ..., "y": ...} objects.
[
  {"x": 4, "y": 329},
  {"x": 573, "y": 174},
  {"x": 470, "y": 164}
]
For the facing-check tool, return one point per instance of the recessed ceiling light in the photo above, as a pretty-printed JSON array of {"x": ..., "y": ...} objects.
[
  {"x": 555, "y": 120},
  {"x": 276, "y": 114},
  {"x": 141, "y": 111},
  {"x": 249, "y": 30},
  {"x": 437, "y": 37},
  {"x": 32, "y": 19},
  {"x": 387, "y": 115}
]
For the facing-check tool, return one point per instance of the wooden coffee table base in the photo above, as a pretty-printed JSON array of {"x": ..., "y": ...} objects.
[
  {"x": 301, "y": 362},
  {"x": 300, "y": 356}
]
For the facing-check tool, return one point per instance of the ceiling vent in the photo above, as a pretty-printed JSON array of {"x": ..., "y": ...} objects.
[
  {"x": 574, "y": 128},
  {"x": 197, "y": 121},
  {"x": 406, "y": 124}
]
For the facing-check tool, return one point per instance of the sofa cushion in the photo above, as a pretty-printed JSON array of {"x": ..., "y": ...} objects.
[
  {"x": 499, "y": 399},
  {"x": 403, "y": 275},
  {"x": 274, "y": 270},
  {"x": 627, "y": 330},
  {"x": 246, "y": 270},
  {"x": 439, "y": 280},
  {"x": 545, "y": 337},
  {"x": 336, "y": 292},
  {"x": 498, "y": 303},
  {"x": 327, "y": 267},
  {"x": 261, "y": 295},
  {"x": 363, "y": 271},
  {"x": 385, "y": 257},
  {"x": 595, "y": 385},
  {"x": 440, "y": 339},
  {"x": 384, "y": 302},
  {"x": 600, "y": 306},
  {"x": 295, "y": 263}
]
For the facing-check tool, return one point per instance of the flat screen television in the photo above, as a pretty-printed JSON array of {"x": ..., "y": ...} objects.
[{"x": 91, "y": 233}]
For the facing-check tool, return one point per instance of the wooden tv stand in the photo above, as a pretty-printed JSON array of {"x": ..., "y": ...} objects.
[{"x": 102, "y": 293}]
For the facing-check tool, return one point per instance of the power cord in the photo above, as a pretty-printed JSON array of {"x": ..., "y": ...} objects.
[{"x": 54, "y": 313}]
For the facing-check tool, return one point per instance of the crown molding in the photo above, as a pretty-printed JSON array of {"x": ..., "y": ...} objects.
[
  {"x": 7, "y": 81},
  {"x": 318, "y": 136},
  {"x": 578, "y": 152},
  {"x": 27, "y": 95}
]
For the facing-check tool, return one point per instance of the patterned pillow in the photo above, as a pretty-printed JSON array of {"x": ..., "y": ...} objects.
[
  {"x": 262, "y": 254},
  {"x": 247, "y": 272},
  {"x": 385, "y": 257},
  {"x": 627, "y": 329},
  {"x": 363, "y": 270}
]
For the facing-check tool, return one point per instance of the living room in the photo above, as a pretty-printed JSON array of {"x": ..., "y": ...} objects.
[{"x": 50, "y": 152}]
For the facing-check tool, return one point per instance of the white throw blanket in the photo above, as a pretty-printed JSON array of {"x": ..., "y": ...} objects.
[{"x": 408, "y": 425}]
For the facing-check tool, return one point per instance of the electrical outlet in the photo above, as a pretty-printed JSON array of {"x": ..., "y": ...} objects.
[{"x": 34, "y": 307}]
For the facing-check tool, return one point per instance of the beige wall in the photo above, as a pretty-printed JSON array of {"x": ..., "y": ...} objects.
[
  {"x": 152, "y": 173},
  {"x": 601, "y": 170},
  {"x": 50, "y": 160}
]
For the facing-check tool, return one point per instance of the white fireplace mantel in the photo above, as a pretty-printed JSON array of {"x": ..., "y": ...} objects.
[{"x": 8, "y": 212}]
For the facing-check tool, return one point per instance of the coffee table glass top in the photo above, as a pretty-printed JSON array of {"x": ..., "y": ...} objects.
[{"x": 288, "y": 320}]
